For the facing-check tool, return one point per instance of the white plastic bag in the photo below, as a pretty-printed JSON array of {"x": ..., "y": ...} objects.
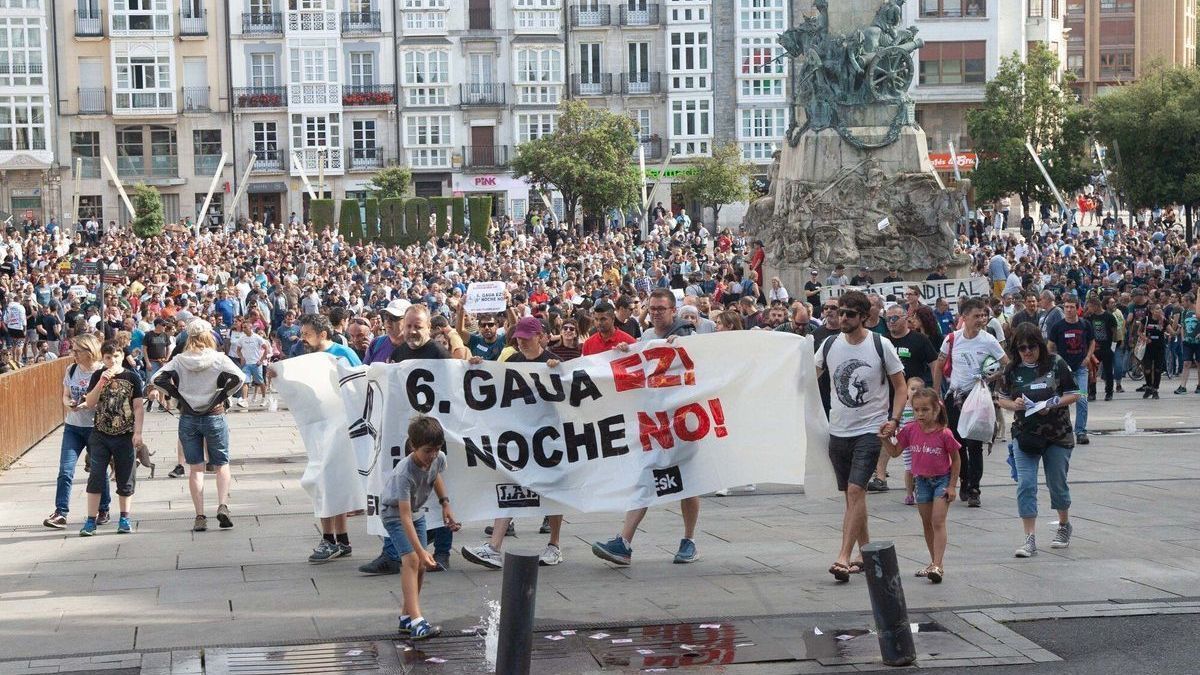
[{"x": 977, "y": 421}]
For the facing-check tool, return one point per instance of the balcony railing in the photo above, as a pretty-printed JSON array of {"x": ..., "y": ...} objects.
[
  {"x": 267, "y": 161},
  {"x": 585, "y": 16},
  {"x": 260, "y": 97},
  {"x": 145, "y": 102},
  {"x": 312, "y": 20},
  {"x": 481, "y": 93},
  {"x": 310, "y": 158},
  {"x": 193, "y": 24},
  {"x": 93, "y": 100},
  {"x": 485, "y": 156},
  {"x": 131, "y": 24},
  {"x": 195, "y": 99},
  {"x": 368, "y": 94},
  {"x": 207, "y": 165},
  {"x": 89, "y": 166},
  {"x": 592, "y": 84},
  {"x": 21, "y": 69},
  {"x": 89, "y": 25},
  {"x": 646, "y": 15},
  {"x": 160, "y": 166},
  {"x": 641, "y": 83},
  {"x": 366, "y": 158},
  {"x": 360, "y": 22},
  {"x": 315, "y": 94},
  {"x": 479, "y": 18},
  {"x": 652, "y": 145},
  {"x": 270, "y": 23}
]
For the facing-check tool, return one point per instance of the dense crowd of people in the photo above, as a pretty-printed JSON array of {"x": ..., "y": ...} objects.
[{"x": 193, "y": 323}]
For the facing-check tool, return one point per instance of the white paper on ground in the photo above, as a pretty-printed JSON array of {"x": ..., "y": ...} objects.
[
  {"x": 622, "y": 641},
  {"x": 645, "y": 652},
  {"x": 555, "y": 637},
  {"x": 599, "y": 636},
  {"x": 354, "y": 652},
  {"x": 710, "y": 625}
]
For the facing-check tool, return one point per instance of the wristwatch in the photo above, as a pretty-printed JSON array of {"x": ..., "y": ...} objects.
[{"x": 444, "y": 500}]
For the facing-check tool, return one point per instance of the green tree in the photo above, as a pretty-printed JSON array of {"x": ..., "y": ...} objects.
[
  {"x": 588, "y": 158},
  {"x": 1155, "y": 129},
  {"x": 390, "y": 183},
  {"x": 1026, "y": 101},
  {"x": 147, "y": 204},
  {"x": 718, "y": 180}
]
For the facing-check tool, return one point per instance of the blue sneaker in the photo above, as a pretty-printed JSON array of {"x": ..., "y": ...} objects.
[
  {"x": 89, "y": 528},
  {"x": 687, "y": 552},
  {"x": 424, "y": 630},
  {"x": 614, "y": 551},
  {"x": 405, "y": 625},
  {"x": 123, "y": 526}
]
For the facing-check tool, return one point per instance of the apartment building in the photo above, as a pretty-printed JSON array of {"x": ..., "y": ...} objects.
[
  {"x": 1110, "y": 42},
  {"x": 143, "y": 83},
  {"x": 28, "y": 186}
]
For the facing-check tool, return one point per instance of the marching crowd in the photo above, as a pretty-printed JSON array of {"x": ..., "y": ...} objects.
[{"x": 194, "y": 323}]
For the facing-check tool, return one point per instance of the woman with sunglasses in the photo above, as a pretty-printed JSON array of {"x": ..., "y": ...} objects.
[
  {"x": 567, "y": 344},
  {"x": 1040, "y": 389}
]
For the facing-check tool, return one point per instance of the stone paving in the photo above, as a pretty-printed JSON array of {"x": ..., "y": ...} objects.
[{"x": 166, "y": 590}]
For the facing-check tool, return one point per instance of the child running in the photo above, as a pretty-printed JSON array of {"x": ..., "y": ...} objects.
[
  {"x": 405, "y": 491},
  {"x": 935, "y": 469},
  {"x": 914, "y": 385}
]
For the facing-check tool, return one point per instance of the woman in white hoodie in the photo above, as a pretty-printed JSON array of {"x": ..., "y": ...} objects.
[{"x": 202, "y": 379}]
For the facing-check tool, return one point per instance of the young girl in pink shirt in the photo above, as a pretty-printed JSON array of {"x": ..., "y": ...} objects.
[{"x": 935, "y": 468}]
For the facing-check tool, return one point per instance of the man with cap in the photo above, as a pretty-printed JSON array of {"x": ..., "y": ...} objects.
[
  {"x": 381, "y": 347},
  {"x": 838, "y": 276},
  {"x": 863, "y": 278},
  {"x": 812, "y": 289},
  {"x": 531, "y": 336}
]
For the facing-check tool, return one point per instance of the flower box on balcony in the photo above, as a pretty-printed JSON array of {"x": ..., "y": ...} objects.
[
  {"x": 368, "y": 98},
  {"x": 260, "y": 101}
]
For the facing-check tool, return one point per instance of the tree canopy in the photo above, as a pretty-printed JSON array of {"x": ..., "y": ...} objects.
[
  {"x": 1027, "y": 102},
  {"x": 147, "y": 204},
  {"x": 390, "y": 183},
  {"x": 718, "y": 180},
  {"x": 588, "y": 158}
]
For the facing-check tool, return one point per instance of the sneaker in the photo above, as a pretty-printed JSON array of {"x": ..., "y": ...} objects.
[
  {"x": 1081, "y": 439},
  {"x": 380, "y": 565},
  {"x": 724, "y": 492},
  {"x": 877, "y": 485},
  {"x": 89, "y": 528},
  {"x": 1108, "y": 397},
  {"x": 1181, "y": 389},
  {"x": 324, "y": 552},
  {"x": 510, "y": 531},
  {"x": 123, "y": 526},
  {"x": 1120, "y": 389},
  {"x": 56, "y": 521},
  {"x": 687, "y": 552},
  {"x": 545, "y": 528},
  {"x": 1029, "y": 548},
  {"x": 551, "y": 556},
  {"x": 344, "y": 550},
  {"x": 424, "y": 631},
  {"x": 223, "y": 517},
  {"x": 484, "y": 555},
  {"x": 200, "y": 524},
  {"x": 405, "y": 626},
  {"x": 443, "y": 562},
  {"x": 753, "y": 487},
  {"x": 615, "y": 551},
  {"x": 1062, "y": 536},
  {"x": 1154, "y": 394},
  {"x": 241, "y": 403},
  {"x": 1091, "y": 398},
  {"x": 177, "y": 472},
  {"x": 973, "y": 502},
  {"x": 1142, "y": 388},
  {"x": 102, "y": 518},
  {"x": 910, "y": 500}
]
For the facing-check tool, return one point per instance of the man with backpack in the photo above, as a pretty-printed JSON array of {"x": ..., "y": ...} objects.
[{"x": 867, "y": 397}]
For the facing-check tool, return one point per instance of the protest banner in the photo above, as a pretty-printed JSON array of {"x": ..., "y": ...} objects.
[
  {"x": 485, "y": 297},
  {"x": 603, "y": 433},
  {"x": 950, "y": 289}
]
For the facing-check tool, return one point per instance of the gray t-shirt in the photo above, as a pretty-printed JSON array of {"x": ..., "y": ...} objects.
[
  {"x": 410, "y": 482},
  {"x": 77, "y": 383}
]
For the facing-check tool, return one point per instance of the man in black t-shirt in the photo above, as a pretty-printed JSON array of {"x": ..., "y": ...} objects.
[
  {"x": 49, "y": 329},
  {"x": 626, "y": 321},
  {"x": 812, "y": 289},
  {"x": 1104, "y": 332},
  {"x": 915, "y": 350},
  {"x": 1072, "y": 339}
]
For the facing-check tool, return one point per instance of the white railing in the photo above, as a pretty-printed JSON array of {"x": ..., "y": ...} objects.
[
  {"x": 315, "y": 94},
  {"x": 313, "y": 20},
  {"x": 310, "y": 159},
  {"x": 157, "y": 24}
]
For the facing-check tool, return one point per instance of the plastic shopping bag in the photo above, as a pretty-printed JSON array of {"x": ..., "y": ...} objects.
[{"x": 977, "y": 421}]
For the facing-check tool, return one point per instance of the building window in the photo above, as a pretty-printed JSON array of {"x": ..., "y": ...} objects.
[
  {"x": 1075, "y": 64},
  {"x": 316, "y": 131},
  {"x": 761, "y": 88},
  {"x": 954, "y": 9},
  {"x": 144, "y": 82},
  {"x": 85, "y": 145},
  {"x": 949, "y": 63},
  {"x": 91, "y": 207},
  {"x": 314, "y": 65},
  {"x": 539, "y": 76},
  {"x": 266, "y": 141},
  {"x": 691, "y": 117},
  {"x": 1117, "y": 5},
  {"x": 535, "y": 125},
  {"x": 427, "y": 140},
  {"x": 424, "y": 4},
  {"x": 758, "y": 57},
  {"x": 761, "y": 131},
  {"x": 641, "y": 117},
  {"x": 362, "y": 134},
  {"x": 1037, "y": 8},
  {"x": 426, "y": 77},
  {"x": 1076, "y": 7},
  {"x": 765, "y": 15},
  {"x": 206, "y": 151},
  {"x": 147, "y": 152},
  {"x": 141, "y": 16},
  {"x": 689, "y": 50},
  {"x": 362, "y": 69},
  {"x": 22, "y": 123},
  {"x": 417, "y": 21},
  {"x": 1116, "y": 65},
  {"x": 689, "y": 15},
  {"x": 262, "y": 70},
  {"x": 1117, "y": 32},
  {"x": 21, "y": 63}
]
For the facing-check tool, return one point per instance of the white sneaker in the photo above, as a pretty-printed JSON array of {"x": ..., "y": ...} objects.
[
  {"x": 483, "y": 555},
  {"x": 241, "y": 403},
  {"x": 722, "y": 493},
  {"x": 1028, "y": 549},
  {"x": 551, "y": 556},
  {"x": 753, "y": 487}
]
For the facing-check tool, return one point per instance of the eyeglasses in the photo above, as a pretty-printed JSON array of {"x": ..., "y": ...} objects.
[
  {"x": 894, "y": 319},
  {"x": 487, "y": 325},
  {"x": 568, "y": 328},
  {"x": 829, "y": 308},
  {"x": 659, "y": 309},
  {"x": 847, "y": 313},
  {"x": 1028, "y": 348}
]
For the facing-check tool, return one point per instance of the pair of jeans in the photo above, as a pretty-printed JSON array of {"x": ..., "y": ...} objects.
[
  {"x": 1120, "y": 363},
  {"x": 1081, "y": 403},
  {"x": 442, "y": 538},
  {"x": 73, "y": 442},
  {"x": 199, "y": 434},
  {"x": 971, "y": 451},
  {"x": 1056, "y": 460},
  {"x": 1174, "y": 357}
]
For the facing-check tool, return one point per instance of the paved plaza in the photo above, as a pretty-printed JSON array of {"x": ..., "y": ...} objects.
[{"x": 1137, "y": 539}]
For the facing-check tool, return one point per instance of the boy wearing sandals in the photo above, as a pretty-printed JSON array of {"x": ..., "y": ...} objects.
[{"x": 405, "y": 491}]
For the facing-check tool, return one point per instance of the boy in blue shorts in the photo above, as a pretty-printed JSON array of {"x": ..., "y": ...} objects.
[{"x": 404, "y": 493}]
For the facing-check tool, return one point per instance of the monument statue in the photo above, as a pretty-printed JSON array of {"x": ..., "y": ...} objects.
[{"x": 854, "y": 184}]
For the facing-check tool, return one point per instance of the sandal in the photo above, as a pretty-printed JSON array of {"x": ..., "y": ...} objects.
[
  {"x": 935, "y": 574},
  {"x": 856, "y": 567},
  {"x": 840, "y": 571},
  {"x": 924, "y": 571}
]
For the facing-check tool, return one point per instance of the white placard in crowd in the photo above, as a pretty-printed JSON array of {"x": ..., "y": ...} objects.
[
  {"x": 603, "y": 433},
  {"x": 950, "y": 289},
  {"x": 485, "y": 297}
]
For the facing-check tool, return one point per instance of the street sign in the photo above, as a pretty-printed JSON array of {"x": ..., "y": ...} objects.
[{"x": 87, "y": 267}]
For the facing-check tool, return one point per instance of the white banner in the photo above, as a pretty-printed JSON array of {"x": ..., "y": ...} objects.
[
  {"x": 604, "y": 433},
  {"x": 485, "y": 297},
  {"x": 950, "y": 289}
]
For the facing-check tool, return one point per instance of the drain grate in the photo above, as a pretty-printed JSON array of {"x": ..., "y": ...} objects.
[{"x": 352, "y": 657}]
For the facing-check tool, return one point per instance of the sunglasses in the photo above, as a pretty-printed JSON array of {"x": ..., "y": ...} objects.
[
  {"x": 487, "y": 325},
  {"x": 568, "y": 328},
  {"x": 1028, "y": 348},
  {"x": 830, "y": 308},
  {"x": 847, "y": 313}
]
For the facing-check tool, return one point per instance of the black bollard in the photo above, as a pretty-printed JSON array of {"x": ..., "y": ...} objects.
[
  {"x": 517, "y": 597},
  {"x": 887, "y": 603}
]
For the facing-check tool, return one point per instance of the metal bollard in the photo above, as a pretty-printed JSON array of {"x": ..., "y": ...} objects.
[
  {"x": 517, "y": 596},
  {"x": 887, "y": 603}
]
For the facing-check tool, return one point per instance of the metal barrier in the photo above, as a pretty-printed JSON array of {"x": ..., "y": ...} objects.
[{"x": 30, "y": 407}]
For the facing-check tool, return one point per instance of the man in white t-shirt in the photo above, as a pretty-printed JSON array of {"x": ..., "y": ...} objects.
[
  {"x": 967, "y": 349},
  {"x": 253, "y": 349},
  {"x": 861, "y": 365}
]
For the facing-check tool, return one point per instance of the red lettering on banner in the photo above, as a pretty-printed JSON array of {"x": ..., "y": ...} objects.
[
  {"x": 657, "y": 427},
  {"x": 628, "y": 376},
  {"x": 624, "y": 378},
  {"x": 688, "y": 423},
  {"x": 489, "y": 181},
  {"x": 682, "y": 430},
  {"x": 659, "y": 378},
  {"x": 718, "y": 416}
]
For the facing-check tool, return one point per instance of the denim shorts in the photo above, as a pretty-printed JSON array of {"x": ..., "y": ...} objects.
[
  {"x": 200, "y": 432},
  {"x": 929, "y": 488},
  {"x": 254, "y": 373},
  {"x": 390, "y": 514}
]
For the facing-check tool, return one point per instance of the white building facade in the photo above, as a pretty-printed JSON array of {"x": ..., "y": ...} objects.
[{"x": 28, "y": 187}]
